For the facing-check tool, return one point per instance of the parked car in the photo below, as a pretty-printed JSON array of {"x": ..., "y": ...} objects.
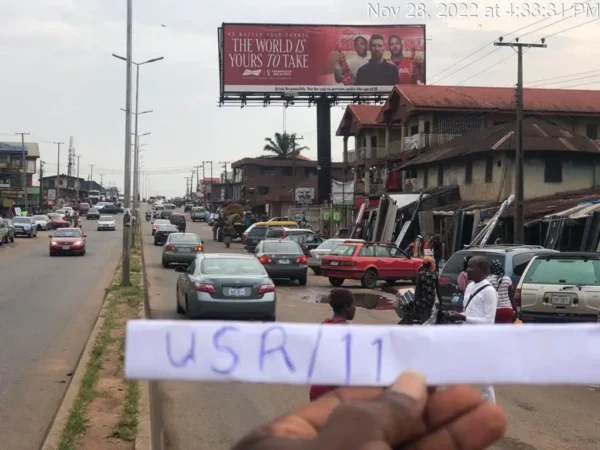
[
  {"x": 42, "y": 222},
  {"x": 106, "y": 223},
  {"x": 7, "y": 232},
  {"x": 225, "y": 286},
  {"x": 306, "y": 239},
  {"x": 282, "y": 259},
  {"x": 163, "y": 232},
  {"x": 157, "y": 223},
  {"x": 369, "y": 262},
  {"x": 316, "y": 255},
  {"x": 560, "y": 287},
  {"x": 178, "y": 220},
  {"x": 109, "y": 208},
  {"x": 181, "y": 248},
  {"x": 198, "y": 213},
  {"x": 93, "y": 214},
  {"x": 68, "y": 241},
  {"x": 271, "y": 223},
  {"x": 25, "y": 226},
  {"x": 514, "y": 259}
]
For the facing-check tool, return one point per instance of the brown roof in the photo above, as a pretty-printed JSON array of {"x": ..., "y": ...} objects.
[
  {"x": 538, "y": 136},
  {"x": 538, "y": 208},
  {"x": 359, "y": 116},
  {"x": 482, "y": 98},
  {"x": 268, "y": 161}
]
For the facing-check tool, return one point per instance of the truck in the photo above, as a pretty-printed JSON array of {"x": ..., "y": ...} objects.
[{"x": 94, "y": 196}]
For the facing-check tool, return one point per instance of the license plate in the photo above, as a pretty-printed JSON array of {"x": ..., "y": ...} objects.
[
  {"x": 284, "y": 261},
  {"x": 237, "y": 292},
  {"x": 334, "y": 263},
  {"x": 561, "y": 300},
  {"x": 185, "y": 250},
  {"x": 66, "y": 247}
]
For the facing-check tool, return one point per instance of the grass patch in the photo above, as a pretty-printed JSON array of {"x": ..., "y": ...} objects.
[{"x": 115, "y": 319}]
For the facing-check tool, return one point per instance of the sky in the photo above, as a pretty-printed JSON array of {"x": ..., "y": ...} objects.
[{"x": 58, "y": 78}]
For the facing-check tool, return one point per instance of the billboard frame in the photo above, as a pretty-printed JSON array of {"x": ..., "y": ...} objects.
[{"x": 265, "y": 99}]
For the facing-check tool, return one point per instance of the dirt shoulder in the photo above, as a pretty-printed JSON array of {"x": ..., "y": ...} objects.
[{"x": 105, "y": 414}]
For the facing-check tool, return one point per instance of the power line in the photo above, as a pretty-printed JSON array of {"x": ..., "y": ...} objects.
[
  {"x": 487, "y": 68},
  {"x": 563, "y": 76}
]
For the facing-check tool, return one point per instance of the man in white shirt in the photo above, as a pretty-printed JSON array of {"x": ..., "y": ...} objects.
[
  {"x": 481, "y": 302},
  {"x": 354, "y": 62}
]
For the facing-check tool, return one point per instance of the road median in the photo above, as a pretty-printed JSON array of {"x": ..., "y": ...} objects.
[{"x": 102, "y": 410}]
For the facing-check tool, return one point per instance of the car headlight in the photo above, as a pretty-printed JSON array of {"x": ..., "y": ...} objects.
[{"x": 77, "y": 243}]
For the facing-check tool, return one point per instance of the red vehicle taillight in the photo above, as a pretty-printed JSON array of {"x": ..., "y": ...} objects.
[
  {"x": 170, "y": 247},
  {"x": 265, "y": 259},
  {"x": 517, "y": 298},
  {"x": 199, "y": 248},
  {"x": 266, "y": 288},
  {"x": 301, "y": 260},
  {"x": 445, "y": 281},
  {"x": 202, "y": 287}
]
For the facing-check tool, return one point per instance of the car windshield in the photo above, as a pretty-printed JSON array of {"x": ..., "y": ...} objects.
[
  {"x": 177, "y": 217},
  {"x": 106, "y": 219},
  {"x": 455, "y": 264},
  {"x": 231, "y": 266},
  {"x": 92, "y": 210},
  {"x": 197, "y": 209},
  {"x": 159, "y": 208},
  {"x": 184, "y": 239},
  {"x": 40, "y": 218},
  {"x": 258, "y": 231},
  {"x": 329, "y": 245},
  {"x": 21, "y": 220},
  {"x": 161, "y": 222},
  {"x": 299, "y": 238},
  {"x": 564, "y": 271},
  {"x": 68, "y": 233},
  {"x": 343, "y": 250},
  {"x": 286, "y": 247},
  {"x": 168, "y": 228}
]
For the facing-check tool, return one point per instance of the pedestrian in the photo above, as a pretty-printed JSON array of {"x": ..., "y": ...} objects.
[
  {"x": 342, "y": 303},
  {"x": 427, "y": 288},
  {"x": 437, "y": 245},
  {"x": 463, "y": 278},
  {"x": 506, "y": 311},
  {"x": 405, "y": 415},
  {"x": 481, "y": 302}
]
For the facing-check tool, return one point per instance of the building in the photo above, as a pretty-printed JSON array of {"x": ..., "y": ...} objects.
[
  {"x": 11, "y": 173},
  {"x": 418, "y": 119},
  {"x": 68, "y": 187},
  {"x": 268, "y": 183},
  {"x": 481, "y": 163}
]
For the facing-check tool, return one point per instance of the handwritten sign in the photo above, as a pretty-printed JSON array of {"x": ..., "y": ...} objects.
[{"x": 362, "y": 355}]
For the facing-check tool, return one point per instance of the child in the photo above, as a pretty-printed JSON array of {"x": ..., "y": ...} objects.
[{"x": 342, "y": 303}]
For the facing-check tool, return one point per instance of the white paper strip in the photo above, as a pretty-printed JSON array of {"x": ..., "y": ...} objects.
[{"x": 362, "y": 355}]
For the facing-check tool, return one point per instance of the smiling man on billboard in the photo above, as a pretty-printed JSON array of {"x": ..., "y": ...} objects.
[
  {"x": 346, "y": 69},
  {"x": 406, "y": 66},
  {"x": 378, "y": 72}
]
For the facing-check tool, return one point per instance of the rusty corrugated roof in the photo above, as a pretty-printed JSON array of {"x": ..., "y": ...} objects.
[
  {"x": 538, "y": 136},
  {"x": 366, "y": 115}
]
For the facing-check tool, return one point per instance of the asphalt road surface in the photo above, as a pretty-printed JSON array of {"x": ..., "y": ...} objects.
[
  {"x": 47, "y": 309},
  {"x": 213, "y": 416}
]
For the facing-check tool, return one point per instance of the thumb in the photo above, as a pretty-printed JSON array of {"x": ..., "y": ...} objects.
[{"x": 391, "y": 420}]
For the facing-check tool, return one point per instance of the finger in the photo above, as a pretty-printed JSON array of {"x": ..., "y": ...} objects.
[
  {"x": 445, "y": 406},
  {"x": 394, "y": 418},
  {"x": 476, "y": 430}
]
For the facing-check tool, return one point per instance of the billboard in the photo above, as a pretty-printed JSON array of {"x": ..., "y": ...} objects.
[{"x": 319, "y": 59}]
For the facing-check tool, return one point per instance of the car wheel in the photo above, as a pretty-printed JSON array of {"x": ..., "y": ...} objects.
[
  {"x": 51, "y": 254},
  {"x": 336, "y": 282},
  {"x": 180, "y": 310},
  {"x": 369, "y": 279},
  {"x": 12, "y": 239},
  {"x": 302, "y": 281},
  {"x": 165, "y": 265},
  {"x": 316, "y": 270},
  {"x": 187, "y": 309}
]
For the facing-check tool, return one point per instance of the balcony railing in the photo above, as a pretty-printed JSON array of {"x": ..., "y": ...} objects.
[
  {"x": 423, "y": 140},
  {"x": 363, "y": 153},
  {"x": 376, "y": 189}
]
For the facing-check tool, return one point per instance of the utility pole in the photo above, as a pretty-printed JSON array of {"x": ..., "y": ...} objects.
[
  {"x": 24, "y": 168},
  {"x": 41, "y": 200},
  {"x": 294, "y": 139},
  {"x": 211, "y": 183},
  {"x": 187, "y": 185},
  {"x": 78, "y": 185},
  {"x": 91, "y": 176},
  {"x": 101, "y": 179},
  {"x": 225, "y": 168},
  {"x": 71, "y": 157},
  {"x": 58, "y": 169},
  {"x": 197, "y": 178},
  {"x": 203, "y": 186},
  {"x": 519, "y": 221}
]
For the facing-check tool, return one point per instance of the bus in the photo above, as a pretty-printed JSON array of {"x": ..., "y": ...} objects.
[{"x": 94, "y": 196}]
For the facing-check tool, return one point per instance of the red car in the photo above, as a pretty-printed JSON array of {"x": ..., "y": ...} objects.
[
  {"x": 56, "y": 222},
  {"x": 68, "y": 241},
  {"x": 369, "y": 262}
]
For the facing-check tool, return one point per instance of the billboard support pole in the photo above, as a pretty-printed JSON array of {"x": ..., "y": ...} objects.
[{"x": 324, "y": 148}]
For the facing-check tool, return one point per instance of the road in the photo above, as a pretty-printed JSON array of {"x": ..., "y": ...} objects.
[
  {"x": 47, "y": 309},
  {"x": 214, "y": 415}
]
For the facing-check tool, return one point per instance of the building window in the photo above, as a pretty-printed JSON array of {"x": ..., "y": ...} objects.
[
  {"x": 425, "y": 178},
  {"x": 287, "y": 171},
  {"x": 489, "y": 169},
  {"x": 553, "y": 170},
  {"x": 427, "y": 127},
  {"x": 267, "y": 170},
  {"x": 263, "y": 190},
  {"x": 500, "y": 122},
  {"x": 469, "y": 172},
  {"x": 592, "y": 131},
  {"x": 440, "y": 175},
  {"x": 414, "y": 130},
  {"x": 373, "y": 141}
]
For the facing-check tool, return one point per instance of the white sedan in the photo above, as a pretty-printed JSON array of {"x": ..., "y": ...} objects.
[
  {"x": 42, "y": 222},
  {"x": 106, "y": 223}
]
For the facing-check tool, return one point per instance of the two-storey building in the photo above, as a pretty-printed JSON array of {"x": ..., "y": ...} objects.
[
  {"x": 11, "y": 173},
  {"x": 418, "y": 119},
  {"x": 268, "y": 183}
]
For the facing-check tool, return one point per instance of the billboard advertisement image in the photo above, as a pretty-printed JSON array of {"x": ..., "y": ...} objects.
[{"x": 320, "y": 59}]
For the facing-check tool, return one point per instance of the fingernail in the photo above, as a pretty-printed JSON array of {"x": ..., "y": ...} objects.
[{"x": 411, "y": 384}]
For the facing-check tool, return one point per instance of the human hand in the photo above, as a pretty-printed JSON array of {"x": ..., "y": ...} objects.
[
  {"x": 455, "y": 316},
  {"x": 404, "y": 416}
]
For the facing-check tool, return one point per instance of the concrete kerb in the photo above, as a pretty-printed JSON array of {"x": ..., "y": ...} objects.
[{"x": 52, "y": 440}]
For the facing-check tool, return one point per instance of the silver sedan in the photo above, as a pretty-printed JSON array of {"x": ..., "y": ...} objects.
[{"x": 226, "y": 286}]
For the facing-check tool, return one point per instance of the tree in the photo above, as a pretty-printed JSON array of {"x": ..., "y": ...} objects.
[{"x": 284, "y": 145}]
